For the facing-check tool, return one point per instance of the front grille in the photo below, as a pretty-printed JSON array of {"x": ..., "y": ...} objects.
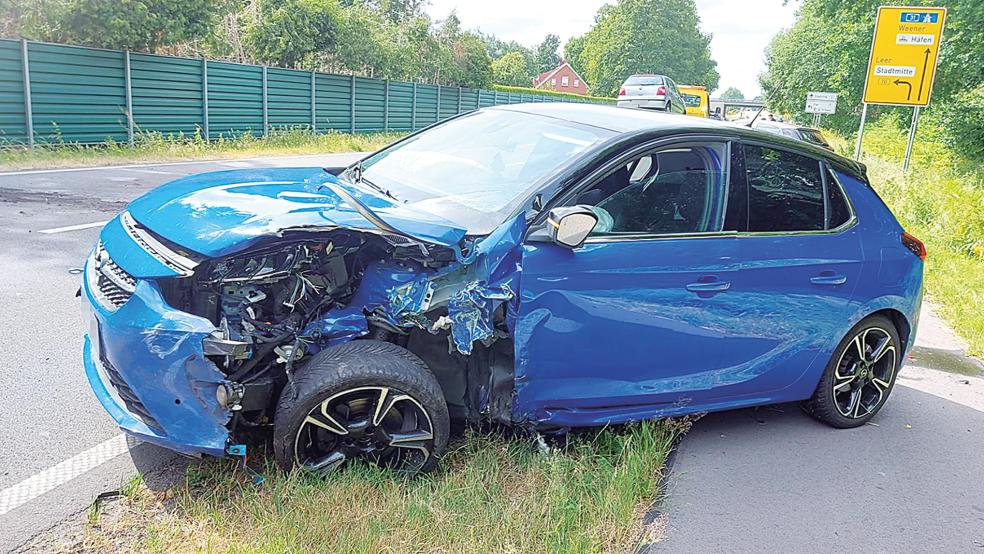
[
  {"x": 111, "y": 285},
  {"x": 133, "y": 404}
]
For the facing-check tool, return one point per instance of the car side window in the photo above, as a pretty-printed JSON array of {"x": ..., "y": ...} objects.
[
  {"x": 673, "y": 190},
  {"x": 838, "y": 209},
  {"x": 785, "y": 191}
]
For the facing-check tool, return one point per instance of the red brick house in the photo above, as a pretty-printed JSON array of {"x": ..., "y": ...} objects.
[{"x": 562, "y": 78}]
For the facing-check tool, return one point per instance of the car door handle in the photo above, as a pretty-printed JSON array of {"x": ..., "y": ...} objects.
[
  {"x": 829, "y": 278},
  {"x": 709, "y": 286}
]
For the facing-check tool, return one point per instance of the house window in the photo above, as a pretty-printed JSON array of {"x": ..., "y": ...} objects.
[
  {"x": 577, "y": 83},
  {"x": 553, "y": 82},
  {"x": 565, "y": 81}
]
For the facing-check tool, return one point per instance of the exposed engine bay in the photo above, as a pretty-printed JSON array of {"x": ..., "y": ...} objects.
[{"x": 276, "y": 306}]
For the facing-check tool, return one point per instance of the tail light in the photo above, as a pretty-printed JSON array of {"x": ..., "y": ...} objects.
[
  {"x": 661, "y": 91},
  {"x": 621, "y": 91},
  {"x": 914, "y": 245}
]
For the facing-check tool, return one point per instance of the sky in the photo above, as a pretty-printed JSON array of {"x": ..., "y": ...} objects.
[{"x": 741, "y": 29}]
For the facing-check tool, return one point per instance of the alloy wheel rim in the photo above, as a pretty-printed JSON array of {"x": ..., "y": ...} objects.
[
  {"x": 380, "y": 424},
  {"x": 864, "y": 373}
]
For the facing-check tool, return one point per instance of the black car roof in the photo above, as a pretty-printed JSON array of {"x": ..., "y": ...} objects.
[{"x": 632, "y": 122}]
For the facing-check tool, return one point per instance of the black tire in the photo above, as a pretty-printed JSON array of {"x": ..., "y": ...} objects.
[
  {"x": 840, "y": 408},
  {"x": 359, "y": 365}
]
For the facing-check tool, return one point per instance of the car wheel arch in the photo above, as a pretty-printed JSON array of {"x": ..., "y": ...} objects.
[{"x": 902, "y": 325}]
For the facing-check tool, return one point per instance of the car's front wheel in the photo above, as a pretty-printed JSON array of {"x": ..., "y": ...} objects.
[
  {"x": 364, "y": 399},
  {"x": 860, "y": 376}
]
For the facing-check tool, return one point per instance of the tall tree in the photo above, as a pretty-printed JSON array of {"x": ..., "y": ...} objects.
[
  {"x": 292, "y": 33},
  {"x": 573, "y": 51},
  {"x": 545, "y": 56},
  {"x": 497, "y": 49},
  {"x": 510, "y": 69},
  {"x": 473, "y": 61},
  {"x": 646, "y": 36},
  {"x": 827, "y": 49},
  {"x": 732, "y": 93},
  {"x": 145, "y": 25}
]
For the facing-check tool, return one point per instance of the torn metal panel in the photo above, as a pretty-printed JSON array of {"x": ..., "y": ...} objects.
[
  {"x": 495, "y": 267},
  {"x": 471, "y": 313}
]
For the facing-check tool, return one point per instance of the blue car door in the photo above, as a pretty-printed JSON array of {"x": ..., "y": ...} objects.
[
  {"x": 639, "y": 321},
  {"x": 801, "y": 262}
]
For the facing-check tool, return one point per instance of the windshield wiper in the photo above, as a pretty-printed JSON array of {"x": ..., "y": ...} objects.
[{"x": 356, "y": 173}]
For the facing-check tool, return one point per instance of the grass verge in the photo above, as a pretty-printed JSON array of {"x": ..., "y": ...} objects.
[
  {"x": 156, "y": 147},
  {"x": 940, "y": 201},
  {"x": 490, "y": 494}
]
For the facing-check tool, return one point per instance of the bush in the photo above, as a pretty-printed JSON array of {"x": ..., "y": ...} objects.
[
  {"x": 962, "y": 120},
  {"x": 525, "y": 90}
]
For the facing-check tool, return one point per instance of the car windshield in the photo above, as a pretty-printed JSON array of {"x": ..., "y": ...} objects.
[
  {"x": 474, "y": 170},
  {"x": 644, "y": 80}
]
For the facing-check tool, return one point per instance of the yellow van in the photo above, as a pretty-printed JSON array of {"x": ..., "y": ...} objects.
[{"x": 696, "y": 99}]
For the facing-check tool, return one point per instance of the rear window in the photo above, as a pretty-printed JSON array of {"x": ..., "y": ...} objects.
[
  {"x": 691, "y": 100},
  {"x": 813, "y": 136},
  {"x": 768, "y": 129},
  {"x": 643, "y": 80},
  {"x": 785, "y": 191}
]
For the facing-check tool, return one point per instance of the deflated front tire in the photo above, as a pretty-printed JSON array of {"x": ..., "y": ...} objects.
[{"x": 364, "y": 399}]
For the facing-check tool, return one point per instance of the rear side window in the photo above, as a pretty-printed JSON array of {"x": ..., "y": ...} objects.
[
  {"x": 644, "y": 80},
  {"x": 838, "y": 210},
  {"x": 785, "y": 191}
]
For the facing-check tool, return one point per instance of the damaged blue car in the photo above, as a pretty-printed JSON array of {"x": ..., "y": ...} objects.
[{"x": 546, "y": 266}]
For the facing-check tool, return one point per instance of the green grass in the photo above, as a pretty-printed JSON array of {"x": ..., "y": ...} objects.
[
  {"x": 940, "y": 201},
  {"x": 156, "y": 147},
  {"x": 490, "y": 494}
]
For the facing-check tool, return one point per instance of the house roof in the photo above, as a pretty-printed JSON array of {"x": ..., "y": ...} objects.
[{"x": 546, "y": 75}]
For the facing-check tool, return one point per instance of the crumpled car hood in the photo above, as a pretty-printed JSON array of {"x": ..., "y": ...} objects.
[{"x": 219, "y": 213}]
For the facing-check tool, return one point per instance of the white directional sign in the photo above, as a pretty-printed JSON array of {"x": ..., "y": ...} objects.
[{"x": 821, "y": 102}]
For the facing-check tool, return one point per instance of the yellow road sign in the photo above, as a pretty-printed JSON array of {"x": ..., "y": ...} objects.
[{"x": 903, "y": 57}]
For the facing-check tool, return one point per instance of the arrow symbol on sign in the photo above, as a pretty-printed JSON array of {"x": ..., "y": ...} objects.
[
  {"x": 906, "y": 83},
  {"x": 923, "y": 77}
]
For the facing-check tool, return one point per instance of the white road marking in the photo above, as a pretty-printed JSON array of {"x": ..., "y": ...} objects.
[
  {"x": 155, "y": 172},
  {"x": 73, "y": 227},
  {"x": 40, "y": 483},
  {"x": 168, "y": 164}
]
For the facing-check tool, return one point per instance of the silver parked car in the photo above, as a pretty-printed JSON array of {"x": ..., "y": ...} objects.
[{"x": 654, "y": 92}]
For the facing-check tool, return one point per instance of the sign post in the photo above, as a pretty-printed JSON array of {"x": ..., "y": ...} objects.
[
  {"x": 902, "y": 63},
  {"x": 819, "y": 103}
]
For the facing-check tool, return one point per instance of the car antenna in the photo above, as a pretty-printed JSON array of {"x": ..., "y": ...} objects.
[{"x": 749, "y": 124}]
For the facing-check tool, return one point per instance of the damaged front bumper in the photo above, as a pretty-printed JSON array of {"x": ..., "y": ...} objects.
[{"x": 146, "y": 365}]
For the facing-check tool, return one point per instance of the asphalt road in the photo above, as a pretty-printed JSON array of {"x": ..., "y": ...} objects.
[{"x": 744, "y": 481}]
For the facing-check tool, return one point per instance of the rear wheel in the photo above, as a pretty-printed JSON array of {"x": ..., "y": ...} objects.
[
  {"x": 365, "y": 399},
  {"x": 859, "y": 377}
]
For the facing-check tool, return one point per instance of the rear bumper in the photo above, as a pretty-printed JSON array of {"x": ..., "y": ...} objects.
[
  {"x": 146, "y": 366},
  {"x": 644, "y": 103}
]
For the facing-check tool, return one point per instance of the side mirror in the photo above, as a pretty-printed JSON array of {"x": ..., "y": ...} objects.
[{"x": 571, "y": 225}]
